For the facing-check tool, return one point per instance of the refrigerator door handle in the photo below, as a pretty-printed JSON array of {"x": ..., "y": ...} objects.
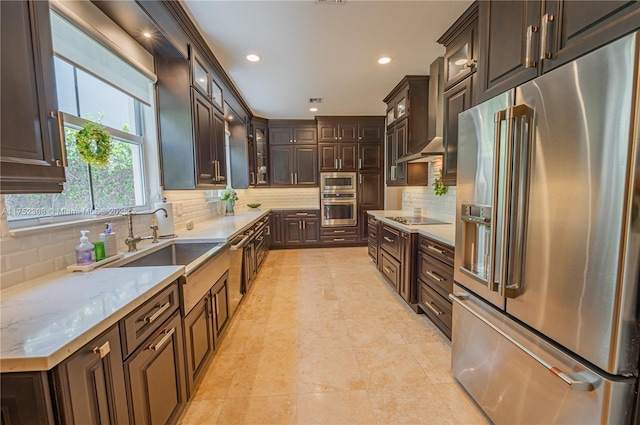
[
  {"x": 515, "y": 205},
  {"x": 576, "y": 385},
  {"x": 493, "y": 235}
]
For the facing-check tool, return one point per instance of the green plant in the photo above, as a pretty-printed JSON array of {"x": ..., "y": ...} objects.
[
  {"x": 93, "y": 143},
  {"x": 438, "y": 187},
  {"x": 229, "y": 193}
]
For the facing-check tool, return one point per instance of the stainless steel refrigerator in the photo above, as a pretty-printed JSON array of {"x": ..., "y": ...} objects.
[{"x": 545, "y": 307}]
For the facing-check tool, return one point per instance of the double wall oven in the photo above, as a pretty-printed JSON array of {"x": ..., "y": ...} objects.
[{"x": 338, "y": 198}]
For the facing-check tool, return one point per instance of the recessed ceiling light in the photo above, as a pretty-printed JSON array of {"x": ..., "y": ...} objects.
[
  {"x": 460, "y": 62},
  {"x": 313, "y": 109},
  {"x": 253, "y": 58},
  {"x": 147, "y": 34},
  {"x": 384, "y": 60}
]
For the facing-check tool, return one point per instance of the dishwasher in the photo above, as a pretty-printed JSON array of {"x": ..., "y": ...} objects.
[{"x": 236, "y": 271}]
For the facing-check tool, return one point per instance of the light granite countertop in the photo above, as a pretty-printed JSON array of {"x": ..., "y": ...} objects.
[
  {"x": 44, "y": 320},
  {"x": 445, "y": 233}
]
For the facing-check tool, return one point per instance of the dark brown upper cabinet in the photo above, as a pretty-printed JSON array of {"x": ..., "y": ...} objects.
[
  {"x": 371, "y": 131},
  {"x": 332, "y": 130},
  {"x": 202, "y": 79},
  {"x": 337, "y": 156},
  {"x": 259, "y": 153},
  {"x": 460, "y": 77},
  {"x": 370, "y": 156},
  {"x": 32, "y": 151},
  {"x": 520, "y": 40},
  {"x": 461, "y": 57},
  {"x": 293, "y": 152},
  {"x": 209, "y": 139}
]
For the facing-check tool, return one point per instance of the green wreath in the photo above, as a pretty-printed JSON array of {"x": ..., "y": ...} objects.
[{"x": 92, "y": 132}]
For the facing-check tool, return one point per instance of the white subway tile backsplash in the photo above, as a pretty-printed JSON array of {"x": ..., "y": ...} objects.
[
  {"x": 303, "y": 198},
  {"x": 20, "y": 259},
  {"x": 38, "y": 269},
  {"x": 434, "y": 206},
  {"x": 11, "y": 277}
]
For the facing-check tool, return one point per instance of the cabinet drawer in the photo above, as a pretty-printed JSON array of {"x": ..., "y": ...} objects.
[
  {"x": 373, "y": 253},
  {"x": 301, "y": 214},
  {"x": 146, "y": 319},
  {"x": 442, "y": 252},
  {"x": 437, "y": 274},
  {"x": 372, "y": 221},
  {"x": 338, "y": 231},
  {"x": 391, "y": 240},
  {"x": 340, "y": 239},
  {"x": 390, "y": 269},
  {"x": 437, "y": 308}
]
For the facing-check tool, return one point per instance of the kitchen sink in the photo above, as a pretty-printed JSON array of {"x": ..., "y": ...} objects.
[{"x": 190, "y": 255}]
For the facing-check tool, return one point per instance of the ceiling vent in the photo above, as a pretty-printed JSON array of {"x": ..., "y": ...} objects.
[
  {"x": 315, "y": 100},
  {"x": 331, "y": 1}
]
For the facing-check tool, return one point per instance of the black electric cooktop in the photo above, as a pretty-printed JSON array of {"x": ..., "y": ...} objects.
[{"x": 417, "y": 221}]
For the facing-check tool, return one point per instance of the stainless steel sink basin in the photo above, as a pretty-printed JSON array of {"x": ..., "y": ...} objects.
[{"x": 190, "y": 255}]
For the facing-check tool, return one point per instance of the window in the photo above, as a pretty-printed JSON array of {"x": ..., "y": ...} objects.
[{"x": 85, "y": 94}]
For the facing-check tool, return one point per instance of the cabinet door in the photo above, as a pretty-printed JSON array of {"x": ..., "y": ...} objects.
[
  {"x": 220, "y": 153},
  {"x": 371, "y": 131},
  {"x": 26, "y": 399},
  {"x": 401, "y": 150},
  {"x": 281, "y": 136},
  {"x": 204, "y": 135},
  {"x": 504, "y": 44},
  {"x": 198, "y": 340},
  {"x": 92, "y": 383},
  {"x": 260, "y": 159},
  {"x": 156, "y": 376},
  {"x": 578, "y": 27},
  {"x": 461, "y": 57},
  {"x": 281, "y": 165},
  {"x": 311, "y": 231},
  {"x": 327, "y": 132},
  {"x": 32, "y": 139},
  {"x": 200, "y": 74},
  {"x": 348, "y": 132},
  {"x": 293, "y": 232},
  {"x": 370, "y": 197},
  {"x": 328, "y": 153},
  {"x": 277, "y": 236},
  {"x": 348, "y": 153},
  {"x": 456, "y": 100},
  {"x": 306, "y": 165},
  {"x": 305, "y": 135},
  {"x": 221, "y": 303},
  {"x": 370, "y": 156},
  {"x": 391, "y": 156}
]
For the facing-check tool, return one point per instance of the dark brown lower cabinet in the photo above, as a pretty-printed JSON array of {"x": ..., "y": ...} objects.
[
  {"x": 435, "y": 282},
  {"x": 25, "y": 399},
  {"x": 199, "y": 340},
  {"x": 345, "y": 235},
  {"x": 220, "y": 299},
  {"x": 397, "y": 260},
  {"x": 157, "y": 387},
  {"x": 276, "y": 232},
  {"x": 90, "y": 385}
]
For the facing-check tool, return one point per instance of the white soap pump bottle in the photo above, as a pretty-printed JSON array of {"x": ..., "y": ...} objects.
[{"x": 85, "y": 253}]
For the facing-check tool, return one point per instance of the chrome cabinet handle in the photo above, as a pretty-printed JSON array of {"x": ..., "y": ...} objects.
[
  {"x": 434, "y": 275},
  {"x": 432, "y": 308},
  {"x": 338, "y": 231},
  {"x": 575, "y": 385},
  {"x": 387, "y": 269},
  {"x": 295, "y": 141},
  {"x": 103, "y": 350},
  {"x": 304, "y": 214},
  {"x": 360, "y": 178},
  {"x": 387, "y": 239},
  {"x": 62, "y": 162},
  {"x": 338, "y": 239},
  {"x": 205, "y": 176},
  {"x": 167, "y": 336},
  {"x": 434, "y": 249},
  {"x": 296, "y": 175},
  {"x": 290, "y": 140},
  {"x": 528, "y": 63},
  {"x": 291, "y": 178},
  {"x": 154, "y": 316},
  {"x": 360, "y": 162},
  {"x": 335, "y": 163},
  {"x": 253, "y": 178},
  {"x": 340, "y": 163},
  {"x": 544, "y": 33}
]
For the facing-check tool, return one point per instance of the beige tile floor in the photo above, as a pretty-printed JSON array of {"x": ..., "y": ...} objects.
[{"x": 322, "y": 339}]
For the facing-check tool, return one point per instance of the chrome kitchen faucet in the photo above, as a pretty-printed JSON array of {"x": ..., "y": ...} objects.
[{"x": 132, "y": 240}]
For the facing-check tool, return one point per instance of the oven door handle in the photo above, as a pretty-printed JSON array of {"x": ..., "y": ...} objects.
[{"x": 240, "y": 244}]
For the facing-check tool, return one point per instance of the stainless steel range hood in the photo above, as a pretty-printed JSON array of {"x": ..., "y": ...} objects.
[{"x": 434, "y": 147}]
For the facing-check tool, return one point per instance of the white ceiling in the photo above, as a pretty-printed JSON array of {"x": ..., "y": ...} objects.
[{"x": 311, "y": 49}]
